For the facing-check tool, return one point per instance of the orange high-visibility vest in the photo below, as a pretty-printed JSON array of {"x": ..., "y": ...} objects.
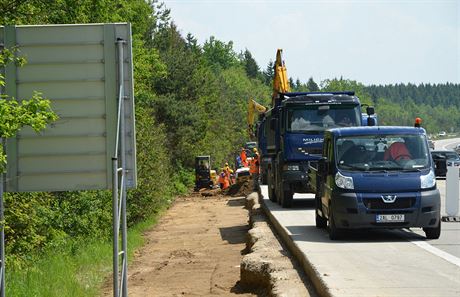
[
  {"x": 243, "y": 156},
  {"x": 224, "y": 181},
  {"x": 254, "y": 166}
]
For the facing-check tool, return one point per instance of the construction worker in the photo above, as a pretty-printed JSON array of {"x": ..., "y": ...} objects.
[
  {"x": 228, "y": 171},
  {"x": 223, "y": 180},
  {"x": 254, "y": 170},
  {"x": 244, "y": 158}
]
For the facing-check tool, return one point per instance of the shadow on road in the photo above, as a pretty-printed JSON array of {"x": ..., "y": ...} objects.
[
  {"x": 306, "y": 203},
  {"x": 313, "y": 234}
]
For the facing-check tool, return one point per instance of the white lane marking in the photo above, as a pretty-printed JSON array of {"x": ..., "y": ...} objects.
[{"x": 437, "y": 252}]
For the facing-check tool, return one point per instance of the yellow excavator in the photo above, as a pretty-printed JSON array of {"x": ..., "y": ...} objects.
[{"x": 255, "y": 110}]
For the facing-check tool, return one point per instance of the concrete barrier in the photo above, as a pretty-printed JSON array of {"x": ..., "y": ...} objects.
[{"x": 452, "y": 191}]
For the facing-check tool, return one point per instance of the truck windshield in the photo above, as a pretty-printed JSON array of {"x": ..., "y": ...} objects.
[
  {"x": 318, "y": 118},
  {"x": 382, "y": 153}
]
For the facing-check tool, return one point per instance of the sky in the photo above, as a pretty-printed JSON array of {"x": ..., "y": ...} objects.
[{"x": 371, "y": 41}]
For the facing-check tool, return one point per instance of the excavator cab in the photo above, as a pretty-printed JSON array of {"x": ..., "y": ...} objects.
[{"x": 203, "y": 172}]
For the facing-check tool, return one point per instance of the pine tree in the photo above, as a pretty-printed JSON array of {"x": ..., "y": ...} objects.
[{"x": 312, "y": 86}]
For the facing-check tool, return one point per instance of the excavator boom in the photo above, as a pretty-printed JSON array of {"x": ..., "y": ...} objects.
[
  {"x": 280, "y": 78},
  {"x": 280, "y": 85}
]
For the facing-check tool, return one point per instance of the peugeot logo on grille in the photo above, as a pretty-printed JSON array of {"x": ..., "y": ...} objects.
[{"x": 389, "y": 198}]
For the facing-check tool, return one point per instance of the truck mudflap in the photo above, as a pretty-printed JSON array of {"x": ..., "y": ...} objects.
[{"x": 356, "y": 211}]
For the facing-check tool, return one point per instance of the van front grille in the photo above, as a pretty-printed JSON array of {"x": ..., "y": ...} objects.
[{"x": 400, "y": 203}]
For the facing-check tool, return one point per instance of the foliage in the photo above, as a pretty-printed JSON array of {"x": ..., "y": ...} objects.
[
  {"x": 219, "y": 54},
  {"x": 14, "y": 115},
  {"x": 312, "y": 86},
  {"x": 437, "y": 104},
  {"x": 347, "y": 85},
  {"x": 153, "y": 166},
  {"x": 44, "y": 221},
  {"x": 35, "y": 113},
  {"x": 250, "y": 65},
  {"x": 72, "y": 270}
]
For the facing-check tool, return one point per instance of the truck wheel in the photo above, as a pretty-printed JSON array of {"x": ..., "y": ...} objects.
[
  {"x": 334, "y": 232},
  {"x": 263, "y": 178},
  {"x": 271, "y": 190},
  {"x": 320, "y": 221},
  {"x": 286, "y": 199},
  {"x": 433, "y": 233}
]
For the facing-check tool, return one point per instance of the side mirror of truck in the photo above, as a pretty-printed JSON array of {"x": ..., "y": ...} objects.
[{"x": 273, "y": 123}]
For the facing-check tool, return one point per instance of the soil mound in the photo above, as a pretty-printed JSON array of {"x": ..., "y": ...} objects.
[{"x": 240, "y": 189}]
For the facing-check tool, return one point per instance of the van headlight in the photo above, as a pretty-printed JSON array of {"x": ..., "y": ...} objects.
[
  {"x": 428, "y": 181},
  {"x": 344, "y": 182}
]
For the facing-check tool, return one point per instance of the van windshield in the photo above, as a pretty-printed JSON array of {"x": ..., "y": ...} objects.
[{"x": 382, "y": 153}]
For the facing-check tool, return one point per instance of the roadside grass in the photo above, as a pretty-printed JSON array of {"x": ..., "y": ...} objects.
[{"x": 79, "y": 269}]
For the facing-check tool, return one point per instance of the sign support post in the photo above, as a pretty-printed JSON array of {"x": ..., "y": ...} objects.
[{"x": 120, "y": 279}]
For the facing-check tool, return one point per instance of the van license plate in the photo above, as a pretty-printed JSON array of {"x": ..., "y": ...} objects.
[{"x": 389, "y": 218}]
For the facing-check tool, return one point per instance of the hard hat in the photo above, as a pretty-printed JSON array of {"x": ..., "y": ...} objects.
[
  {"x": 226, "y": 163},
  {"x": 255, "y": 150}
]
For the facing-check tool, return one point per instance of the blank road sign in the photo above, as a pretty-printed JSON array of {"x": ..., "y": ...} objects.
[{"x": 75, "y": 67}]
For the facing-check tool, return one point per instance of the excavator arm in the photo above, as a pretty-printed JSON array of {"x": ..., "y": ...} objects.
[
  {"x": 280, "y": 78},
  {"x": 280, "y": 85},
  {"x": 253, "y": 107}
]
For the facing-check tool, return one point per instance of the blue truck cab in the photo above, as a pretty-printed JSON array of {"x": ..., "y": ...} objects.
[
  {"x": 376, "y": 177},
  {"x": 292, "y": 133}
]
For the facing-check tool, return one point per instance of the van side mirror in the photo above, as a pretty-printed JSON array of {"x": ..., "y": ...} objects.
[
  {"x": 273, "y": 123},
  {"x": 370, "y": 110}
]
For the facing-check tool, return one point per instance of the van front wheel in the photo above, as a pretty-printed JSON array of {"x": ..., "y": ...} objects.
[
  {"x": 334, "y": 232},
  {"x": 433, "y": 233}
]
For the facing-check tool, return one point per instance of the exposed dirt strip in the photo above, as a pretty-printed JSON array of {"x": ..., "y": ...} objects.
[{"x": 195, "y": 250}]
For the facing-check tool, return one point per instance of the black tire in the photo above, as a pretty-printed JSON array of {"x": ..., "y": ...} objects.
[
  {"x": 286, "y": 199},
  {"x": 263, "y": 178},
  {"x": 334, "y": 232},
  {"x": 433, "y": 233},
  {"x": 271, "y": 190},
  {"x": 321, "y": 222}
]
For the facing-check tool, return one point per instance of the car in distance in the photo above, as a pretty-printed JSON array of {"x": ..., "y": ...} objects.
[
  {"x": 442, "y": 159},
  {"x": 457, "y": 148}
]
